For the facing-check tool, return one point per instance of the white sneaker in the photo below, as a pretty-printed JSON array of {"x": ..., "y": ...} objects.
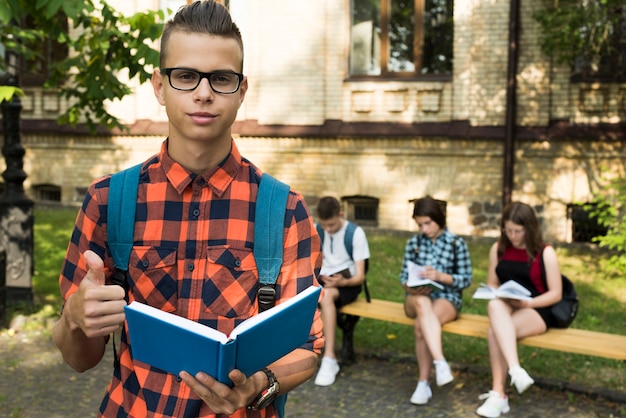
[
  {"x": 493, "y": 406},
  {"x": 444, "y": 375},
  {"x": 422, "y": 393},
  {"x": 520, "y": 378},
  {"x": 327, "y": 372}
]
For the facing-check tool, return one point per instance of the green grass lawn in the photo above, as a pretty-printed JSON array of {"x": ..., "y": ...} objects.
[{"x": 602, "y": 303}]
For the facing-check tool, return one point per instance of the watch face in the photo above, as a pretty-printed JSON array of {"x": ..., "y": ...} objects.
[{"x": 268, "y": 396}]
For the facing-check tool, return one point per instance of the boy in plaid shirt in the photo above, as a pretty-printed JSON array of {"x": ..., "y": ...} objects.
[{"x": 193, "y": 239}]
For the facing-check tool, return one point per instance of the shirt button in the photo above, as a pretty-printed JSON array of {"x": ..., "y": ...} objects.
[
  {"x": 145, "y": 263},
  {"x": 200, "y": 182},
  {"x": 196, "y": 212},
  {"x": 179, "y": 379},
  {"x": 190, "y": 266},
  {"x": 237, "y": 263}
]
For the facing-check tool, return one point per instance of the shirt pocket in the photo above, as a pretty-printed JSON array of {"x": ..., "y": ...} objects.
[
  {"x": 152, "y": 277},
  {"x": 231, "y": 283}
]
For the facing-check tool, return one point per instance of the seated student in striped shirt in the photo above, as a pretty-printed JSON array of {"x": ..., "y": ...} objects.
[{"x": 195, "y": 209}]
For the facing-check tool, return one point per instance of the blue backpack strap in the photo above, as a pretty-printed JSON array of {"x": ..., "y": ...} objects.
[
  {"x": 320, "y": 232},
  {"x": 121, "y": 227},
  {"x": 349, "y": 237},
  {"x": 121, "y": 220},
  {"x": 279, "y": 404},
  {"x": 269, "y": 224},
  {"x": 121, "y": 214}
]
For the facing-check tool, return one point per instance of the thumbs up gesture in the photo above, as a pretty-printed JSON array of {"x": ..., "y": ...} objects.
[{"x": 96, "y": 309}]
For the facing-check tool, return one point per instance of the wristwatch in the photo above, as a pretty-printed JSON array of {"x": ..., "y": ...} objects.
[{"x": 267, "y": 396}]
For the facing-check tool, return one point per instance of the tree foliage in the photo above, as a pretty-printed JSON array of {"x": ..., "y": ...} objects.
[
  {"x": 609, "y": 208},
  {"x": 584, "y": 33},
  {"x": 102, "y": 45}
]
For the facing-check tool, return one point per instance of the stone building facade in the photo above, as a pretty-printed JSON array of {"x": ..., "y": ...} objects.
[{"x": 376, "y": 142}]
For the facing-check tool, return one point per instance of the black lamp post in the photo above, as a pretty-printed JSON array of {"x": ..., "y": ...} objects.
[{"x": 16, "y": 209}]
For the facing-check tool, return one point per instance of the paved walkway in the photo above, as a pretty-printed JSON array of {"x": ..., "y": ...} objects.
[{"x": 34, "y": 383}]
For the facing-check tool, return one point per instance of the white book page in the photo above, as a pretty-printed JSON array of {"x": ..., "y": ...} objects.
[
  {"x": 509, "y": 290},
  {"x": 513, "y": 290},
  {"x": 415, "y": 278},
  {"x": 179, "y": 321},
  {"x": 257, "y": 319},
  {"x": 415, "y": 271},
  {"x": 484, "y": 292}
]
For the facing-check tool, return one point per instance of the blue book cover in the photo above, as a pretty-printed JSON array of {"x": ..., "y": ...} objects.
[{"x": 173, "y": 343}]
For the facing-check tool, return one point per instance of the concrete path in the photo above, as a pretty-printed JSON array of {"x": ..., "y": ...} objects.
[{"x": 34, "y": 383}]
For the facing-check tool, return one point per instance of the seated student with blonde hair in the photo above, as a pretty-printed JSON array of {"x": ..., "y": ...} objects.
[{"x": 339, "y": 289}]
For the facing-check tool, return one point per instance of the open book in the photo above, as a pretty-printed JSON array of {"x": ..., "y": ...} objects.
[
  {"x": 173, "y": 343},
  {"x": 345, "y": 273},
  {"x": 415, "y": 280},
  {"x": 508, "y": 290}
]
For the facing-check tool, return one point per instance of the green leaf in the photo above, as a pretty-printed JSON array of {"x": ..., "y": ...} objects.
[{"x": 7, "y": 93}]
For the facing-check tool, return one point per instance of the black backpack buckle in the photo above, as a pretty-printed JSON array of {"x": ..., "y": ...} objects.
[
  {"x": 267, "y": 297},
  {"x": 119, "y": 278}
]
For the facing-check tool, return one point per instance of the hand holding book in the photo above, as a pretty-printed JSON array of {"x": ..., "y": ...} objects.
[
  {"x": 190, "y": 346},
  {"x": 330, "y": 280},
  {"x": 415, "y": 280}
]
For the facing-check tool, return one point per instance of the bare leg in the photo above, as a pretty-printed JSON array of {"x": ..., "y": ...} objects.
[
  {"x": 422, "y": 353},
  {"x": 507, "y": 326},
  {"x": 329, "y": 320},
  {"x": 432, "y": 315},
  {"x": 429, "y": 317},
  {"x": 498, "y": 364}
]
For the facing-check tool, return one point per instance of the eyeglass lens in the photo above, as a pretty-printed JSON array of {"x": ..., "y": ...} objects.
[{"x": 220, "y": 81}]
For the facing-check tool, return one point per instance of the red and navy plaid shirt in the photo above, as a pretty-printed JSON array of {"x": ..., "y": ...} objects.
[{"x": 192, "y": 255}]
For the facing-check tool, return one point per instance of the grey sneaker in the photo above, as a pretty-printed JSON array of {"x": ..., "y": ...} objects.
[
  {"x": 422, "y": 394},
  {"x": 493, "y": 406}
]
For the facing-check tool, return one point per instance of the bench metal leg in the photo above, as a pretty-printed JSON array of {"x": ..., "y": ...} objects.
[{"x": 347, "y": 323}]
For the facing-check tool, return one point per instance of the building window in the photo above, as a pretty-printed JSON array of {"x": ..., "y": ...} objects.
[
  {"x": 47, "y": 193},
  {"x": 609, "y": 62},
  {"x": 362, "y": 210},
  {"x": 79, "y": 194},
  {"x": 395, "y": 38},
  {"x": 584, "y": 227},
  {"x": 36, "y": 68}
]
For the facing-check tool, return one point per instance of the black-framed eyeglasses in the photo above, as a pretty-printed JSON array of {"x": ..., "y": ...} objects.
[{"x": 186, "y": 79}]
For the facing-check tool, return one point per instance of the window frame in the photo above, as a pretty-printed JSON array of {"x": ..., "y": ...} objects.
[{"x": 385, "y": 46}]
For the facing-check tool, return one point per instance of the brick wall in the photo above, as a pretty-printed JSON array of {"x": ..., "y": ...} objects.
[{"x": 466, "y": 174}]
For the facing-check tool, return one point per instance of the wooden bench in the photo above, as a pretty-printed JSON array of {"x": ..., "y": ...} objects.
[{"x": 592, "y": 343}]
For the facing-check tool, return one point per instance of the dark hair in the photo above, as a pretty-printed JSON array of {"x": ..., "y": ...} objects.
[
  {"x": 206, "y": 17},
  {"x": 427, "y": 206},
  {"x": 522, "y": 214},
  {"x": 328, "y": 207}
]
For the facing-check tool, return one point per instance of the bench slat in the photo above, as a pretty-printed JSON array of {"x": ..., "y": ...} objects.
[{"x": 599, "y": 344}]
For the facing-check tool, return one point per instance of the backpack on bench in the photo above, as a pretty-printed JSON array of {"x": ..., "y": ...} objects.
[{"x": 269, "y": 224}]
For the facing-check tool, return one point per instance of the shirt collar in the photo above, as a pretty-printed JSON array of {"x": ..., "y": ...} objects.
[{"x": 218, "y": 178}]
